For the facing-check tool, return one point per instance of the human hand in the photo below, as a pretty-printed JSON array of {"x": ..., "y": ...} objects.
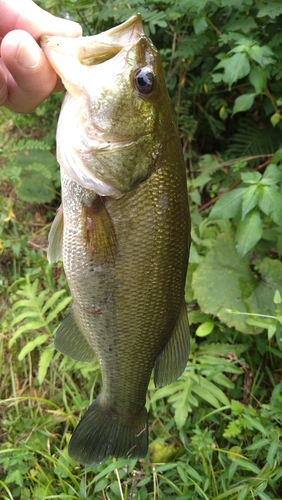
[{"x": 26, "y": 77}]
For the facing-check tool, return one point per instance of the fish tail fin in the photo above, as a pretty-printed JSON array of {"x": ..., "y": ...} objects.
[{"x": 102, "y": 433}]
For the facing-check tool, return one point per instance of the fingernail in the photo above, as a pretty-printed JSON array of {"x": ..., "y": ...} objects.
[{"x": 28, "y": 56}]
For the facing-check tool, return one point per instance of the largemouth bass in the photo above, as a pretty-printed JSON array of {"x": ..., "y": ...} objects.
[{"x": 122, "y": 229}]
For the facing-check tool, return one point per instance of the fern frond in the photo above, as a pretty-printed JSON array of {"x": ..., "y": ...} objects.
[
  {"x": 30, "y": 316},
  {"x": 39, "y": 168},
  {"x": 30, "y": 346},
  {"x": 251, "y": 140},
  {"x": 51, "y": 301}
]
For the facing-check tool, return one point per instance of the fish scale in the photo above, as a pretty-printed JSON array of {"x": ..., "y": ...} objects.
[{"x": 123, "y": 230}]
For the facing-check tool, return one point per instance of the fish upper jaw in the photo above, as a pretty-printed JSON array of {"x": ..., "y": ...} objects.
[{"x": 72, "y": 57}]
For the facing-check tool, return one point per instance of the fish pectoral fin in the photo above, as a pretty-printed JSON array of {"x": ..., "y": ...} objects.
[
  {"x": 172, "y": 361},
  {"x": 99, "y": 232},
  {"x": 55, "y": 237},
  {"x": 102, "y": 433},
  {"x": 71, "y": 342}
]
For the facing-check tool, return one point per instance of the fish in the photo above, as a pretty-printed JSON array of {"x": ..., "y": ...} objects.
[{"x": 122, "y": 230}]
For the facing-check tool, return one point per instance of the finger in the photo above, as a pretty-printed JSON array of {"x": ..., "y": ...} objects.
[
  {"x": 3, "y": 86},
  {"x": 26, "y": 15},
  {"x": 29, "y": 77}
]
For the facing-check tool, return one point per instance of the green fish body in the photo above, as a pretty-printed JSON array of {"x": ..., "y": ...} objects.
[{"x": 122, "y": 229}]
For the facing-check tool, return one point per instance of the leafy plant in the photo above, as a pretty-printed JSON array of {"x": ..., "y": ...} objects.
[
  {"x": 35, "y": 311},
  {"x": 259, "y": 193}
]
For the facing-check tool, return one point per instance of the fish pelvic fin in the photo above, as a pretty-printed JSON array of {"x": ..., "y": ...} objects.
[
  {"x": 70, "y": 341},
  {"x": 171, "y": 363},
  {"x": 55, "y": 237},
  {"x": 102, "y": 433},
  {"x": 99, "y": 231}
]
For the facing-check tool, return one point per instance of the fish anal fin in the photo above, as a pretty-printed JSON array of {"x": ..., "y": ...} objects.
[
  {"x": 102, "y": 433},
  {"x": 55, "y": 237},
  {"x": 99, "y": 231},
  {"x": 71, "y": 342},
  {"x": 172, "y": 361}
]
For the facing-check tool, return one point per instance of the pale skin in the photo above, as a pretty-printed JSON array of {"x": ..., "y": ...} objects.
[{"x": 26, "y": 77}]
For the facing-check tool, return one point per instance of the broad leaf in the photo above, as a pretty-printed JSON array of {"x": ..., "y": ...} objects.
[
  {"x": 200, "y": 24},
  {"x": 271, "y": 9},
  {"x": 243, "y": 103},
  {"x": 251, "y": 177},
  {"x": 270, "y": 203},
  {"x": 228, "y": 205},
  {"x": 250, "y": 199},
  {"x": 272, "y": 174},
  {"x": 236, "y": 67},
  {"x": 224, "y": 281},
  {"x": 249, "y": 232},
  {"x": 275, "y": 119},
  {"x": 258, "y": 79}
]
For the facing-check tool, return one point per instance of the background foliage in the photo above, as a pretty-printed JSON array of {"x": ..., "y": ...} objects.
[{"x": 216, "y": 432}]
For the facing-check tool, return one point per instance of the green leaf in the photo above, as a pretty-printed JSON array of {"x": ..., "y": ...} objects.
[
  {"x": 232, "y": 430},
  {"x": 255, "y": 51},
  {"x": 262, "y": 495},
  {"x": 247, "y": 465},
  {"x": 249, "y": 232},
  {"x": 14, "y": 476},
  {"x": 255, "y": 424},
  {"x": 276, "y": 158},
  {"x": 243, "y": 103},
  {"x": 270, "y": 271},
  {"x": 220, "y": 272},
  {"x": 51, "y": 301},
  {"x": 205, "y": 329},
  {"x": 251, "y": 177},
  {"x": 272, "y": 451},
  {"x": 250, "y": 199},
  {"x": 44, "y": 362},
  {"x": 270, "y": 203},
  {"x": 244, "y": 491},
  {"x": 259, "y": 444},
  {"x": 101, "y": 485},
  {"x": 228, "y": 205},
  {"x": 236, "y": 67},
  {"x": 277, "y": 297},
  {"x": 275, "y": 119},
  {"x": 30, "y": 346},
  {"x": 193, "y": 473},
  {"x": 209, "y": 392},
  {"x": 258, "y": 79},
  {"x": 224, "y": 281},
  {"x": 272, "y": 175},
  {"x": 61, "y": 306},
  {"x": 200, "y": 24},
  {"x": 270, "y": 9},
  {"x": 28, "y": 327}
]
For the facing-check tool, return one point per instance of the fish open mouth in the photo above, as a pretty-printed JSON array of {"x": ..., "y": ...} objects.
[
  {"x": 92, "y": 50},
  {"x": 106, "y": 45}
]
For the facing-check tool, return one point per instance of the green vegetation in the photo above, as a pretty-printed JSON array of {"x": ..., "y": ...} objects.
[{"x": 215, "y": 433}]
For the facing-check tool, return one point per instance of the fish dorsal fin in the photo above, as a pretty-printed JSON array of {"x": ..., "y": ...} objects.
[
  {"x": 99, "y": 231},
  {"x": 71, "y": 342},
  {"x": 55, "y": 237},
  {"x": 171, "y": 363}
]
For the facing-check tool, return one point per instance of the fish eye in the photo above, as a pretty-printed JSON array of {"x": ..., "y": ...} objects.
[{"x": 144, "y": 80}]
